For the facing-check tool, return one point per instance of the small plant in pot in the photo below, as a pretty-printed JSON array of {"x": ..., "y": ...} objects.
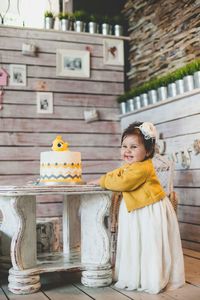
[
  {"x": 64, "y": 20},
  {"x": 48, "y": 20},
  {"x": 118, "y": 23},
  {"x": 93, "y": 23},
  {"x": 80, "y": 18},
  {"x": 106, "y": 26}
]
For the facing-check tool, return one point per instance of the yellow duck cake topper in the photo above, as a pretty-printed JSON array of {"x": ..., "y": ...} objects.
[{"x": 59, "y": 144}]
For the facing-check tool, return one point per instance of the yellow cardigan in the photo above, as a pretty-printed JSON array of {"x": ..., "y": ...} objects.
[{"x": 138, "y": 183}]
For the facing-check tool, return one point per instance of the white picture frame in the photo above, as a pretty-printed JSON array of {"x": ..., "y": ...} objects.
[
  {"x": 113, "y": 52},
  {"x": 44, "y": 103},
  {"x": 17, "y": 75},
  {"x": 73, "y": 63}
]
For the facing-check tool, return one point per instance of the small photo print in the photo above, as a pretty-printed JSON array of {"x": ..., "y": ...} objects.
[
  {"x": 18, "y": 75},
  {"x": 44, "y": 103}
]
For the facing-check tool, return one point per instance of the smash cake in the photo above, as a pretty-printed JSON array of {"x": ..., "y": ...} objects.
[{"x": 60, "y": 166}]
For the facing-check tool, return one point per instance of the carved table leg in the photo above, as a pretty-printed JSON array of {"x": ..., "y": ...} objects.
[
  {"x": 95, "y": 246},
  {"x": 20, "y": 215},
  {"x": 71, "y": 223},
  {"x": 22, "y": 283}
]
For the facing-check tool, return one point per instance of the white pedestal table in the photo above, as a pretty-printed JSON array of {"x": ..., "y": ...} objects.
[{"x": 84, "y": 211}]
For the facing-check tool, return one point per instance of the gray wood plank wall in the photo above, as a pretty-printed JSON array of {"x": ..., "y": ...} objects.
[
  {"x": 24, "y": 133},
  {"x": 178, "y": 120}
]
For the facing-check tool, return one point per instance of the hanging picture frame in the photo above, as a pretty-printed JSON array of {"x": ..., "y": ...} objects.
[
  {"x": 17, "y": 75},
  {"x": 113, "y": 52},
  {"x": 44, "y": 103},
  {"x": 73, "y": 63}
]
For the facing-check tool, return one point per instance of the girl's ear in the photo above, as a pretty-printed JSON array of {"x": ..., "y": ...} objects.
[{"x": 148, "y": 154}]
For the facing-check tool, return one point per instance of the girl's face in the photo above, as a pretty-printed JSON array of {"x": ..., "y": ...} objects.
[{"x": 132, "y": 149}]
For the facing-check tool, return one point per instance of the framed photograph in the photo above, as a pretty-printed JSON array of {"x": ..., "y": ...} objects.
[
  {"x": 72, "y": 63},
  {"x": 44, "y": 103},
  {"x": 113, "y": 52},
  {"x": 18, "y": 75}
]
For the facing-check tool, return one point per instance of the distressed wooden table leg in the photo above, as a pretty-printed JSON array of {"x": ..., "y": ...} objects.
[
  {"x": 21, "y": 213},
  {"x": 95, "y": 245},
  {"x": 71, "y": 223}
]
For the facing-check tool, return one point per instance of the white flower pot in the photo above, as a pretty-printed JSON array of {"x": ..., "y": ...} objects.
[
  {"x": 118, "y": 30},
  {"x": 106, "y": 29},
  {"x": 188, "y": 83},
  {"x": 48, "y": 23},
  {"x": 152, "y": 97},
  {"x": 144, "y": 99},
  {"x": 92, "y": 27},
  {"x": 64, "y": 24},
  {"x": 196, "y": 77},
  {"x": 179, "y": 86},
  {"x": 137, "y": 102},
  {"x": 130, "y": 104},
  {"x": 123, "y": 108},
  {"x": 162, "y": 93},
  {"x": 171, "y": 89},
  {"x": 79, "y": 26}
]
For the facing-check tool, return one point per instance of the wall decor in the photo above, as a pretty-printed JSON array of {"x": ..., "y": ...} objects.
[
  {"x": 91, "y": 115},
  {"x": 3, "y": 77},
  {"x": 72, "y": 63},
  {"x": 17, "y": 75},
  {"x": 29, "y": 49},
  {"x": 113, "y": 52},
  {"x": 44, "y": 103}
]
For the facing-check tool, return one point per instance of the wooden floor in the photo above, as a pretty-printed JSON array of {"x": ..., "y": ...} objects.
[{"x": 59, "y": 286}]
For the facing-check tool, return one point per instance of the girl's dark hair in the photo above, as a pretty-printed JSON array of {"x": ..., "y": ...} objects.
[{"x": 133, "y": 130}]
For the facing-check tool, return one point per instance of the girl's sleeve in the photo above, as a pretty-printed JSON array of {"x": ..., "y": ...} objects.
[{"x": 124, "y": 179}]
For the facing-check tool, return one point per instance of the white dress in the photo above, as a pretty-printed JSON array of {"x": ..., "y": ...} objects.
[{"x": 149, "y": 254}]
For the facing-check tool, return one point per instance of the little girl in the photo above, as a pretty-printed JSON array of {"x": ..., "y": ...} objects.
[{"x": 149, "y": 254}]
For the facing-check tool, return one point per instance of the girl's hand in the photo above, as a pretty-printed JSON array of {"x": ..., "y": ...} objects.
[{"x": 94, "y": 182}]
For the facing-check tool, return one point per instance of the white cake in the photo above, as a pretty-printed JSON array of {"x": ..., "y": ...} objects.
[{"x": 60, "y": 166}]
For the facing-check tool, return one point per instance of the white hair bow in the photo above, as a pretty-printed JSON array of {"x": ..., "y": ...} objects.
[{"x": 148, "y": 130}]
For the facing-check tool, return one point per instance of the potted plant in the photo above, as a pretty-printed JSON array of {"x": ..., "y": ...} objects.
[
  {"x": 80, "y": 19},
  {"x": 48, "y": 20},
  {"x": 93, "y": 23},
  {"x": 106, "y": 26},
  {"x": 118, "y": 25},
  {"x": 196, "y": 73},
  {"x": 122, "y": 99},
  {"x": 64, "y": 20}
]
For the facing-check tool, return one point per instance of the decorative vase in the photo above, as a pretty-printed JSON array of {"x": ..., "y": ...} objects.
[
  {"x": 188, "y": 83},
  {"x": 123, "y": 108},
  {"x": 179, "y": 86},
  {"x": 171, "y": 89},
  {"x": 64, "y": 24},
  {"x": 48, "y": 23},
  {"x": 152, "y": 97},
  {"x": 196, "y": 77},
  {"x": 137, "y": 103},
  {"x": 118, "y": 30},
  {"x": 131, "y": 105},
  {"x": 106, "y": 29},
  {"x": 92, "y": 27},
  {"x": 144, "y": 99},
  {"x": 162, "y": 93}
]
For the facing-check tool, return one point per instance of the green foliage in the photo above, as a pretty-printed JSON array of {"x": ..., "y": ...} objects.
[
  {"x": 156, "y": 82},
  {"x": 118, "y": 19},
  {"x": 106, "y": 20},
  {"x": 48, "y": 14},
  {"x": 64, "y": 15},
  {"x": 94, "y": 18},
  {"x": 80, "y": 15}
]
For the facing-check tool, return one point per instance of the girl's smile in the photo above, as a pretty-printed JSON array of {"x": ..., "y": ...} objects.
[{"x": 132, "y": 149}]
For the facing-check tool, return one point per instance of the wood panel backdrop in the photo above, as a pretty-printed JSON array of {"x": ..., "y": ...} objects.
[{"x": 24, "y": 133}]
